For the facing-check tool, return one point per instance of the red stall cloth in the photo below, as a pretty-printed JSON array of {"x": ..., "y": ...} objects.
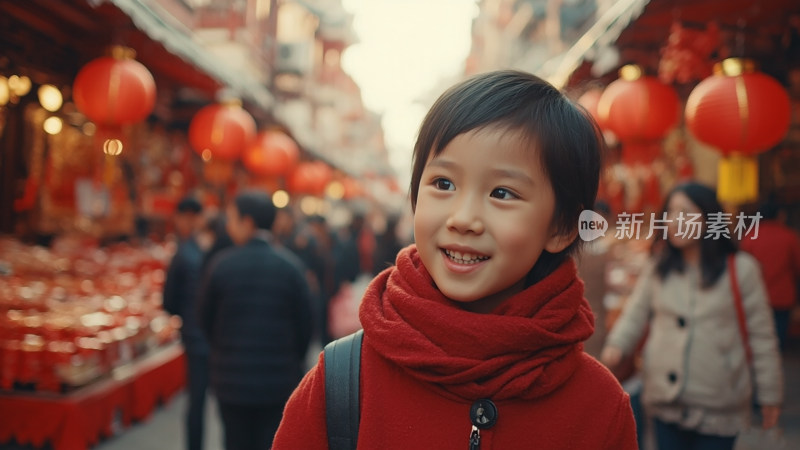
[{"x": 78, "y": 420}]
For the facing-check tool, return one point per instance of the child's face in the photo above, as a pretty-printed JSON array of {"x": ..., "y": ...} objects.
[{"x": 483, "y": 216}]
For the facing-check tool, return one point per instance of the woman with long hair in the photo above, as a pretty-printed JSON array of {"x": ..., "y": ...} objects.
[{"x": 698, "y": 380}]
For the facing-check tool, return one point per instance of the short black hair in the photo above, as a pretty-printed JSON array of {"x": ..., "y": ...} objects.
[
  {"x": 189, "y": 205},
  {"x": 713, "y": 252},
  {"x": 568, "y": 140},
  {"x": 258, "y": 206}
]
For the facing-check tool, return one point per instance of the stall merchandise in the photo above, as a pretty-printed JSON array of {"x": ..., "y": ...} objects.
[
  {"x": 71, "y": 313},
  {"x": 79, "y": 419}
]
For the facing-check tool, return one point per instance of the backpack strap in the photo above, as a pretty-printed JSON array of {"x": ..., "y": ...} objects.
[
  {"x": 740, "y": 314},
  {"x": 342, "y": 376}
]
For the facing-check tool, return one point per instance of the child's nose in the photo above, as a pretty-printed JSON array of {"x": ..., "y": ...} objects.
[{"x": 466, "y": 216}]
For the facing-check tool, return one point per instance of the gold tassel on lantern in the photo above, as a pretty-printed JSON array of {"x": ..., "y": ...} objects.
[{"x": 737, "y": 181}]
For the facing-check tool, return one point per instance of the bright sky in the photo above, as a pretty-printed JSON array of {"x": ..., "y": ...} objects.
[{"x": 405, "y": 48}]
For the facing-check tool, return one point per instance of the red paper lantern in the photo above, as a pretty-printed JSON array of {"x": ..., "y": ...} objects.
[
  {"x": 273, "y": 153},
  {"x": 741, "y": 112},
  {"x": 221, "y": 131},
  {"x": 738, "y": 109},
  {"x": 310, "y": 178},
  {"x": 115, "y": 90},
  {"x": 639, "y": 110}
]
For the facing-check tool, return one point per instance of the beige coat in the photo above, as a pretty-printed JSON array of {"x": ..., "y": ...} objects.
[{"x": 695, "y": 370}]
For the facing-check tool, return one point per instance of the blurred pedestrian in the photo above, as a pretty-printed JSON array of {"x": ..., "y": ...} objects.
[
  {"x": 473, "y": 339},
  {"x": 181, "y": 288},
  {"x": 387, "y": 246},
  {"x": 324, "y": 267},
  {"x": 353, "y": 252},
  {"x": 219, "y": 240},
  {"x": 256, "y": 312},
  {"x": 777, "y": 249},
  {"x": 696, "y": 376}
]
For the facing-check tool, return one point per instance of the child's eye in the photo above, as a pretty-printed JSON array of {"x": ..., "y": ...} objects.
[
  {"x": 503, "y": 194},
  {"x": 443, "y": 184}
]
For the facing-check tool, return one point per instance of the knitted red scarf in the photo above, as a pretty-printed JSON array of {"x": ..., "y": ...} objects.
[{"x": 524, "y": 349}]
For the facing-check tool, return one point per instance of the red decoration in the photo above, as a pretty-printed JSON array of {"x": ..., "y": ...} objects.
[
  {"x": 738, "y": 109},
  {"x": 310, "y": 178},
  {"x": 115, "y": 90},
  {"x": 687, "y": 55},
  {"x": 224, "y": 130},
  {"x": 273, "y": 153},
  {"x": 28, "y": 200},
  {"x": 639, "y": 110},
  {"x": 218, "y": 172},
  {"x": 741, "y": 112}
]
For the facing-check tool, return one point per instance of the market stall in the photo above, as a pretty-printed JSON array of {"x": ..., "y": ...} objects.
[{"x": 85, "y": 346}]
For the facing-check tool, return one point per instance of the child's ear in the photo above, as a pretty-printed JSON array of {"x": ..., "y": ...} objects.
[{"x": 559, "y": 240}]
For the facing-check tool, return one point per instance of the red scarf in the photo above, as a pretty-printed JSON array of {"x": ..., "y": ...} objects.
[{"x": 527, "y": 347}]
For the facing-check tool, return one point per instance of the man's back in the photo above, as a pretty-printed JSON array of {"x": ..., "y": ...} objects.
[{"x": 257, "y": 314}]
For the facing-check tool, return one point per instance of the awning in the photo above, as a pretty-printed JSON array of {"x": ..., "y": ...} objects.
[
  {"x": 146, "y": 17},
  {"x": 603, "y": 33}
]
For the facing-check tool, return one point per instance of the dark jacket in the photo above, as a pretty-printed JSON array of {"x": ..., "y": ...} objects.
[
  {"x": 256, "y": 312},
  {"x": 181, "y": 288}
]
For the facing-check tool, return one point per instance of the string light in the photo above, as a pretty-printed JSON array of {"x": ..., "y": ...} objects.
[
  {"x": 53, "y": 125},
  {"x": 50, "y": 97}
]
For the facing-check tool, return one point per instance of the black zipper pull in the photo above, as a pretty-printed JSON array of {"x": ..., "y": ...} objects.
[
  {"x": 475, "y": 438},
  {"x": 483, "y": 415}
]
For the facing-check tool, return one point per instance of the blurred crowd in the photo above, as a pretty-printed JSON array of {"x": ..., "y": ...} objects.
[{"x": 255, "y": 286}]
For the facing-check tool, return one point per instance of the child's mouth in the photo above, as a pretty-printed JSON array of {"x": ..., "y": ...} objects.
[{"x": 464, "y": 258}]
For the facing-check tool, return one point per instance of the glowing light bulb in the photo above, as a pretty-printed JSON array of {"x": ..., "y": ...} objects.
[
  {"x": 112, "y": 147},
  {"x": 53, "y": 125},
  {"x": 50, "y": 97}
]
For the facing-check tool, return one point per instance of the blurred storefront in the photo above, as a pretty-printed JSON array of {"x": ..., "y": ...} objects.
[
  {"x": 580, "y": 46},
  {"x": 281, "y": 63},
  {"x": 111, "y": 111}
]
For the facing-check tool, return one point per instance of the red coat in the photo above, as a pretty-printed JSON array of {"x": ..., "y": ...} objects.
[
  {"x": 777, "y": 249},
  {"x": 424, "y": 362}
]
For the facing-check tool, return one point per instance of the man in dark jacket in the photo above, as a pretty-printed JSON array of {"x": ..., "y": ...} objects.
[
  {"x": 256, "y": 312},
  {"x": 180, "y": 298}
]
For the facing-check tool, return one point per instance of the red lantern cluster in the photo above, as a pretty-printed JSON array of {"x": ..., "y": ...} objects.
[
  {"x": 222, "y": 131},
  {"x": 115, "y": 90},
  {"x": 310, "y": 178},
  {"x": 273, "y": 153}
]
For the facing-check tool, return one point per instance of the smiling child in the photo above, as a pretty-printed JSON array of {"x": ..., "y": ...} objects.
[{"x": 475, "y": 336}]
